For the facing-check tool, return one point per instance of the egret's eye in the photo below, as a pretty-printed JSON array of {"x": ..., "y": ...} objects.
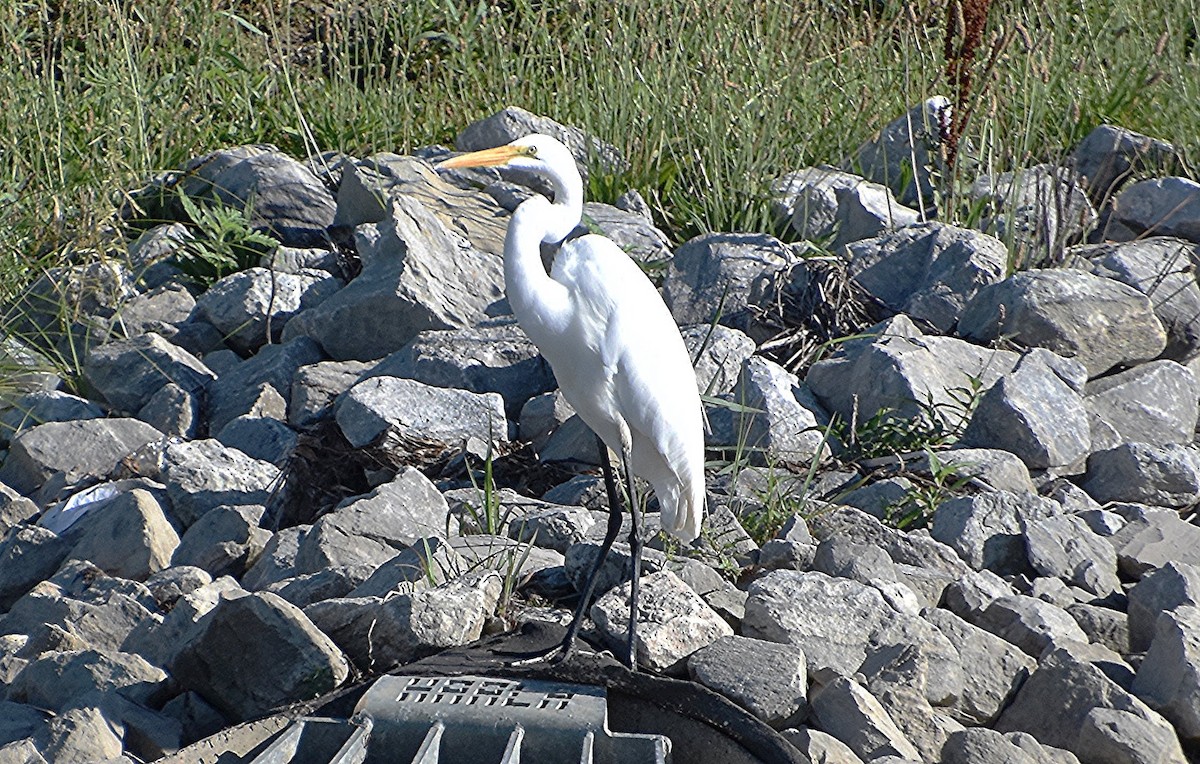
[{"x": 531, "y": 150}]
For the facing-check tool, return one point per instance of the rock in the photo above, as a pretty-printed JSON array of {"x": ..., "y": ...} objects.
[
  {"x": 927, "y": 271},
  {"x": 127, "y": 373},
  {"x": 541, "y": 416},
  {"x": 161, "y": 640},
  {"x": 18, "y": 721},
  {"x": 513, "y": 122},
  {"x": 1030, "y": 624},
  {"x": 258, "y": 652},
  {"x": 1110, "y": 155},
  {"x": 898, "y": 369},
  {"x": 69, "y": 453},
  {"x": 986, "y": 528},
  {"x": 1160, "y": 207},
  {"x": 632, "y": 232},
  {"x": 1163, "y": 269},
  {"x": 259, "y": 437},
  {"x": 786, "y": 421},
  {"x": 579, "y": 559},
  {"x": 968, "y": 596},
  {"x": 441, "y": 282},
  {"x": 904, "y": 548},
  {"x": 428, "y": 562},
  {"x": 1075, "y": 690},
  {"x": 554, "y": 527},
  {"x": 413, "y": 411},
  {"x": 83, "y": 734},
  {"x": 203, "y": 474},
  {"x": 1168, "y": 679},
  {"x": 173, "y": 411},
  {"x": 897, "y": 678},
  {"x": 672, "y": 620},
  {"x": 14, "y": 509},
  {"x": 66, "y": 309},
  {"x": 298, "y": 260},
  {"x": 278, "y": 559},
  {"x": 495, "y": 358},
  {"x": 1155, "y": 403},
  {"x": 373, "y": 528},
  {"x": 1166, "y": 476},
  {"x": 980, "y": 745},
  {"x": 1063, "y": 546},
  {"x": 250, "y": 307},
  {"x": 1040, "y": 209},
  {"x": 820, "y": 747},
  {"x": 169, "y": 584},
  {"x": 851, "y": 714},
  {"x": 1098, "y": 321},
  {"x": 315, "y": 387},
  {"x": 330, "y": 583},
  {"x": 1034, "y": 414},
  {"x": 128, "y": 537},
  {"x": 55, "y": 679},
  {"x": 28, "y": 555},
  {"x": 767, "y": 679},
  {"x": 725, "y": 277},
  {"x": 824, "y": 204},
  {"x": 148, "y": 734},
  {"x": 240, "y": 390},
  {"x": 992, "y": 672},
  {"x": 379, "y": 634},
  {"x": 41, "y": 406},
  {"x": 197, "y": 718},
  {"x": 1120, "y": 736},
  {"x": 718, "y": 353},
  {"x": 902, "y": 156},
  {"x": 991, "y": 468},
  {"x": 1103, "y": 626},
  {"x": 1162, "y": 590},
  {"x": 223, "y": 541}
]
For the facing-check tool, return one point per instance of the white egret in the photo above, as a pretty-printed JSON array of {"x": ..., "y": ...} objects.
[{"x": 616, "y": 352}]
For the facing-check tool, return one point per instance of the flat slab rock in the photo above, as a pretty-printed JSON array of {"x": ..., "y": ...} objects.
[{"x": 768, "y": 679}]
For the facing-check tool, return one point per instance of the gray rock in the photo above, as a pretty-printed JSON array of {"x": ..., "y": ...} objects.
[
  {"x": 879, "y": 498},
  {"x": 373, "y": 528},
  {"x": 1075, "y": 690},
  {"x": 785, "y": 424},
  {"x": 986, "y": 528},
  {"x": 718, "y": 353},
  {"x": 1110, "y": 155},
  {"x": 992, "y": 672},
  {"x": 239, "y": 390},
  {"x": 541, "y": 416},
  {"x": 495, "y": 357},
  {"x": 19, "y": 721},
  {"x": 820, "y": 747},
  {"x": 554, "y": 527},
  {"x": 844, "y": 709},
  {"x": 579, "y": 559},
  {"x": 1031, "y": 624},
  {"x": 1160, "y": 207},
  {"x": 128, "y": 537},
  {"x": 169, "y": 584},
  {"x": 1099, "y": 322},
  {"x": 1064, "y": 546},
  {"x": 82, "y": 734},
  {"x": 197, "y": 719},
  {"x": 636, "y": 234},
  {"x": 14, "y": 509},
  {"x": 1168, "y": 679},
  {"x": 897, "y": 678},
  {"x": 672, "y": 621},
  {"x": 807, "y": 200},
  {"x": 69, "y": 453},
  {"x": 1161, "y": 590},
  {"x": 1155, "y": 403},
  {"x": 278, "y": 559},
  {"x": 428, "y": 562},
  {"x": 315, "y": 387},
  {"x": 1102, "y": 625},
  {"x": 927, "y": 271},
  {"x": 127, "y": 373},
  {"x": 1040, "y": 209},
  {"x": 866, "y": 210},
  {"x": 1163, "y": 269},
  {"x": 255, "y": 653},
  {"x": 173, "y": 411},
  {"x": 1120, "y": 736},
  {"x": 899, "y": 369},
  {"x": 905, "y": 548},
  {"x": 513, "y": 122},
  {"x": 768, "y": 680},
  {"x": 203, "y": 474},
  {"x": 162, "y": 310},
  {"x": 411, "y": 411},
  {"x": 284, "y": 197},
  {"x": 41, "y": 406},
  {"x": 1167, "y": 476},
  {"x": 224, "y": 541},
  {"x": 329, "y": 583},
  {"x": 572, "y": 441},
  {"x": 28, "y": 555},
  {"x": 903, "y": 155},
  {"x": 299, "y": 260},
  {"x": 251, "y": 307},
  {"x": 1034, "y": 414},
  {"x": 441, "y": 282},
  {"x": 481, "y": 552},
  {"x": 379, "y": 634},
  {"x": 980, "y": 745},
  {"x": 55, "y": 679},
  {"x": 262, "y": 438},
  {"x": 160, "y": 640},
  {"x": 991, "y": 468},
  {"x": 66, "y": 309},
  {"x": 725, "y": 277},
  {"x": 968, "y": 596}
]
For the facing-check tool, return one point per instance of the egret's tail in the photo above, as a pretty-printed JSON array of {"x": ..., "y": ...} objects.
[{"x": 682, "y": 507}]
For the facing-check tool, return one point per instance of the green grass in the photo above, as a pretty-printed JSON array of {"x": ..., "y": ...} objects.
[{"x": 708, "y": 99}]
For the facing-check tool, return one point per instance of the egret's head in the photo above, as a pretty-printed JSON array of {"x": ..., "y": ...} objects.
[{"x": 533, "y": 153}]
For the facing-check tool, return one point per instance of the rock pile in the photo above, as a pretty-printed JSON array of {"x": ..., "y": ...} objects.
[{"x": 265, "y": 487}]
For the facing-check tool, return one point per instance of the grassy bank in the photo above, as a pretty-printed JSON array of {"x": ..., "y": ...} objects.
[{"x": 708, "y": 99}]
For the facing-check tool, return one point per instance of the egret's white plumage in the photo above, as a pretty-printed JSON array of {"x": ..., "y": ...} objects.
[{"x": 614, "y": 347}]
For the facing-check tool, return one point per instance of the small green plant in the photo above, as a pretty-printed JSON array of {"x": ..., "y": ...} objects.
[
  {"x": 225, "y": 242},
  {"x": 917, "y": 507}
]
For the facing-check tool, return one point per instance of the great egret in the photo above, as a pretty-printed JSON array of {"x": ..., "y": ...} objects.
[{"x": 614, "y": 348}]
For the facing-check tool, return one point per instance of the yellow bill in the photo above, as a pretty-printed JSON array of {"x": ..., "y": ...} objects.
[{"x": 496, "y": 157}]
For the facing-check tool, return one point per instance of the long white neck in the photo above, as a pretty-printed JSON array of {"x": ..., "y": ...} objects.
[
  {"x": 540, "y": 303},
  {"x": 567, "y": 206}
]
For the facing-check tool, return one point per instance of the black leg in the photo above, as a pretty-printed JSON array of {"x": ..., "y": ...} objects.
[
  {"x": 610, "y": 535},
  {"x": 635, "y": 548}
]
